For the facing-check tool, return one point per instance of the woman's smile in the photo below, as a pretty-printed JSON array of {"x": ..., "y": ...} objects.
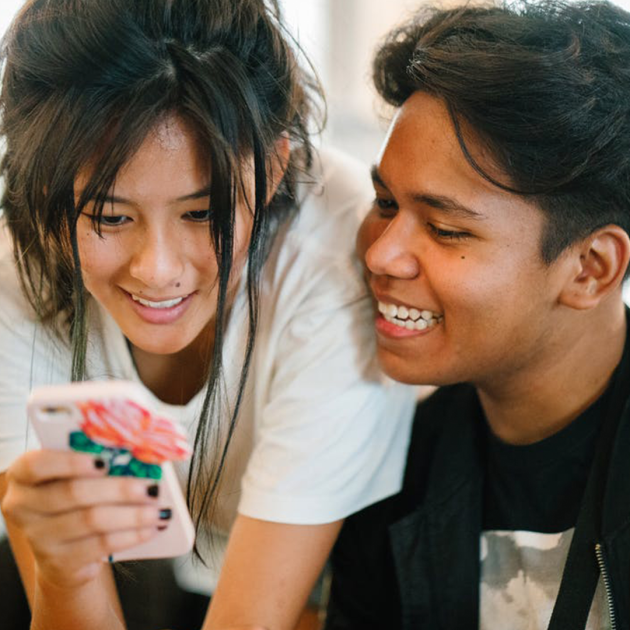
[{"x": 161, "y": 312}]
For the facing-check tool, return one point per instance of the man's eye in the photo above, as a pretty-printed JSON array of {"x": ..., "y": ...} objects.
[
  {"x": 447, "y": 235},
  {"x": 198, "y": 216},
  {"x": 385, "y": 206}
]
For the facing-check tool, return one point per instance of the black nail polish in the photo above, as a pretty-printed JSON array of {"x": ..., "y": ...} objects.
[
  {"x": 165, "y": 514},
  {"x": 99, "y": 464},
  {"x": 153, "y": 490}
]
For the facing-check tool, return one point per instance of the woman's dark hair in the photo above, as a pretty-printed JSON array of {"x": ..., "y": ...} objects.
[
  {"x": 84, "y": 82},
  {"x": 545, "y": 86}
]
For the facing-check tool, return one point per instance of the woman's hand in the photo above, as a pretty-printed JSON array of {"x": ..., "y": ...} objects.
[{"x": 73, "y": 515}]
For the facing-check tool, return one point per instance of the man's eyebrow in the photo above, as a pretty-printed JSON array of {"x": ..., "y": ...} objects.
[
  {"x": 439, "y": 202},
  {"x": 448, "y": 205},
  {"x": 376, "y": 177}
]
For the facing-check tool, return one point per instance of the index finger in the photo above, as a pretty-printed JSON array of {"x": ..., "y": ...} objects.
[{"x": 36, "y": 467}]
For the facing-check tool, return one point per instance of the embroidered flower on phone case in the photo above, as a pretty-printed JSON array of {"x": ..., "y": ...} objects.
[
  {"x": 125, "y": 424},
  {"x": 129, "y": 438}
]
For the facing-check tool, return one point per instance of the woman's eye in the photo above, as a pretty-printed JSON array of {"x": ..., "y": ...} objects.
[
  {"x": 198, "y": 216},
  {"x": 449, "y": 235},
  {"x": 108, "y": 220},
  {"x": 113, "y": 220}
]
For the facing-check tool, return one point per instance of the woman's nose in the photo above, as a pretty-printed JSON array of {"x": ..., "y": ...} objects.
[
  {"x": 158, "y": 260},
  {"x": 390, "y": 251}
]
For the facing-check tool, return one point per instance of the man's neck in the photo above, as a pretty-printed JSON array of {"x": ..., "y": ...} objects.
[{"x": 538, "y": 403}]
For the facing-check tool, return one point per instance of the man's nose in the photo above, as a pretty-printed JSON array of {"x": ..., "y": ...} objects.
[{"x": 392, "y": 253}]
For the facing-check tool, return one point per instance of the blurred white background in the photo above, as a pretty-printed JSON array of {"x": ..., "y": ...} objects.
[{"x": 339, "y": 36}]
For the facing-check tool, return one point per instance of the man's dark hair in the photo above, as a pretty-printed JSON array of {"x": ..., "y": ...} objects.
[{"x": 545, "y": 86}]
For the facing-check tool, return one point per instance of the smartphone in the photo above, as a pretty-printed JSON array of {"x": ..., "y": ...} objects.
[{"x": 113, "y": 420}]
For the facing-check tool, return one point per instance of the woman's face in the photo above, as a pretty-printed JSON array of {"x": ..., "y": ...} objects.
[{"x": 154, "y": 268}]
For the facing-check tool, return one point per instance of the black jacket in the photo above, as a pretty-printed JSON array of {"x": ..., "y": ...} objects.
[{"x": 411, "y": 562}]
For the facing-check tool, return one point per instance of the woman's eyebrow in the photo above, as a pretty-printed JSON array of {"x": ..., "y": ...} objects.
[{"x": 198, "y": 194}]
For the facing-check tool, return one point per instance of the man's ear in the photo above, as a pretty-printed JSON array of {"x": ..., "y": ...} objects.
[
  {"x": 278, "y": 165},
  {"x": 597, "y": 267}
]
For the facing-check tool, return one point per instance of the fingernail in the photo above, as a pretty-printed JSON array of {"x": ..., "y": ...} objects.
[
  {"x": 153, "y": 490},
  {"x": 99, "y": 464},
  {"x": 165, "y": 514}
]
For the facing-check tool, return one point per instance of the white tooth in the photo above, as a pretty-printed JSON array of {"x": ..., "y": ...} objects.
[
  {"x": 403, "y": 312},
  {"x": 382, "y": 308},
  {"x": 158, "y": 305},
  {"x": 414, "y": 313},
  {"x": 410, "y": 325},
  {"x": 392, "y": 310},
  {"x": 426, "y": 315},
  {"x": 432, "y": 322},
  {"x": 421, "y": 324},
  {"x": 389, "y": 318}
]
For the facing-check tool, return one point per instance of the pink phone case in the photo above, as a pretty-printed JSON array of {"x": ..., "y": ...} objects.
[{"x": 113, "y": 420}]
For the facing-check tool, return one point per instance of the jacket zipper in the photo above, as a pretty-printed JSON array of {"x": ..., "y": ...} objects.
[{"x": 599, "y": 552}]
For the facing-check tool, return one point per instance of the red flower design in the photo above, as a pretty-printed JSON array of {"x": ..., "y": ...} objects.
[{"x": 125, "y": 424}]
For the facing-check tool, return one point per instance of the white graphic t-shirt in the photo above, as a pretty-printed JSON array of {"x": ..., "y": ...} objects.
[{"x": 520, "y": 578}]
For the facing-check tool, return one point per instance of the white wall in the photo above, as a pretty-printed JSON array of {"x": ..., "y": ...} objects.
[
  {"x": 341, "y": 41},
  {"x": 8, "y": 8}
]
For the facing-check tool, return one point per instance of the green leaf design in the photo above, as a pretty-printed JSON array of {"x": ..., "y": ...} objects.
[
  {"x": 131, "y": 468},
  {"x": 81, "y": 442},
  {"x": 144, "y": 470}
]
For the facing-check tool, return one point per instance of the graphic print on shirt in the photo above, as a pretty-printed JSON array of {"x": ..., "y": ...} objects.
[{"x": 520, "y": 579}]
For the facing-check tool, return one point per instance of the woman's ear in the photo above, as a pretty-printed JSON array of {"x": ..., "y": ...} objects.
[
  {"x": 598, "y": 264},
  {"x": 278, "y": 164}
]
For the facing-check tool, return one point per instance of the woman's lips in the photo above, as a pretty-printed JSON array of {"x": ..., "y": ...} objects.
[{"x": 161, "y": 314}]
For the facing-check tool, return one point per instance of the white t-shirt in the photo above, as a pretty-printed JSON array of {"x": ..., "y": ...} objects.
[{"x": 321, "y": 433}]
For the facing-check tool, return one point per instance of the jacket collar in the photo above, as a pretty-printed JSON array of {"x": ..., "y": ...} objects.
[
  {"x": 616, "y": 509},
  {"x": 436, "y": 543}
]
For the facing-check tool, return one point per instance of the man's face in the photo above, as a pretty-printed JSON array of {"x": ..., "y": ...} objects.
[{"x": 459, "y": 255}]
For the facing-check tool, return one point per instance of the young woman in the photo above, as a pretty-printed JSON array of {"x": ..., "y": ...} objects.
[{"x": 166, "y": 220}]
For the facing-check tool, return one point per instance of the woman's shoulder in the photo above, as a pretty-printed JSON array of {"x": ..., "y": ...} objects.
[
  {"x": 314, "y": 253},
  {"x": 343, "y": 178},
  {"x": 13, "y": 301},
  {"x": 333, "y": 198},
  {"x": 19, "y": 324}
]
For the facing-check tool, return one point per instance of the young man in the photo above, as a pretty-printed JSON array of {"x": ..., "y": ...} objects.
[{"x": 496, "y": 250}]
